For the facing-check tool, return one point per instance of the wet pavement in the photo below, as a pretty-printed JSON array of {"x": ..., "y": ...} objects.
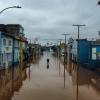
[{"x": 38, "y": 82}]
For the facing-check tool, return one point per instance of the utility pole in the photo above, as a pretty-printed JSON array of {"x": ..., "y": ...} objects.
[
  {"x": 57, "y": 54},
  {"x": 59, "y": 51},
  {"x": 78, "y": 50},
  {"x": 65, "y": 55},
  {"x": 78, "y": 26}
]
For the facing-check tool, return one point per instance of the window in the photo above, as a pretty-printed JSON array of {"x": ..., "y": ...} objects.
[
  {"x": 16, "y": 43},
  {"x": 9, "y": 42},
  {"x": 4, "y": 42},
  {"x": 96, "y": 53}
]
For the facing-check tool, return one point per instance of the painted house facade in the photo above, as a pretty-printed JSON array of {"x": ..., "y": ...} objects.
[
  {"x": 16, "y": 51},
  {"x": 84, "y": 46},
  {"x": 23, "y": 48},
  {"x": 18, "y": 44},
  {"x": 94, "y": 58},
  {"x": 6, "y": 44},
  {"x": 12, "y": 43},
  {"x": 89, "y": 52}
]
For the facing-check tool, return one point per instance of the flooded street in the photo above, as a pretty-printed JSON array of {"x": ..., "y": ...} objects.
[
  {"x": 49, "y": 50},
  {"x": 38, "y": 82}
]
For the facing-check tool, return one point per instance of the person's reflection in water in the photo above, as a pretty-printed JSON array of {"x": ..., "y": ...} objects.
[
  {"x": 47, "y": 66},
  {"x": 29, "y": 72},
  {"x": 47, "y": 63}
]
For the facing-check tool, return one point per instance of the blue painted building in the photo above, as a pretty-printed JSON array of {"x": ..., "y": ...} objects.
[
  {"x": 89, "y": 52},
  {"x": 16, "y": 50},
  {"x": 16, "y": 31},
  {"x": 84, "y": 46},
  {"x": 10, "y": 37},
  {"x": 5, "y": 50},
  {"x": 94, "y": 58},
  {"x": 0, "y": 50}
]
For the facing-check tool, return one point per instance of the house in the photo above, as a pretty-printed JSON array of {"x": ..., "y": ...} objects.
[
  {"x": 94, "y": 58},
  {"x": 6, "y": 43},
  {"x": 11, "y": 38},
  {"x": 19, "y": 41},
  {"x": 85, "y": 52},
  {"x": 23, "y": 49},
  {"x": 34, "y": 51}
]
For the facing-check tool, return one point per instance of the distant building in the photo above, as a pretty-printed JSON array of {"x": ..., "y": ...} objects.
[{"x": 35, "y": 51}]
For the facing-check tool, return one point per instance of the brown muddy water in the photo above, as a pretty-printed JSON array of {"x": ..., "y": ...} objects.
[{"x": 38, "y": 82}]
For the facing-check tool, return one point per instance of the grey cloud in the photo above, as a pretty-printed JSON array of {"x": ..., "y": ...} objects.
[
  {"x": 51, "y": 18},
  {"x": 45, "y": 4}
]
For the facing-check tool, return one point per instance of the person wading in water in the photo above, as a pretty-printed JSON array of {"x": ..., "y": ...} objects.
[{"x": 47, "y": 63}]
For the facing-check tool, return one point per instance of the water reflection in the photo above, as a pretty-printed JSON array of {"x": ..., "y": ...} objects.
[
  {"x": 29, "y": 73},
  {"x": 47, "y": 66},
  {"x": 36, "y": 59},
  {"x": 86, "y": 80},
  {"x": 11, "y": 81}
]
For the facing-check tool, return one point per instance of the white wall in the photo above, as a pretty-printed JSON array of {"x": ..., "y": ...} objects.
[{"x": 7, "y": 51}]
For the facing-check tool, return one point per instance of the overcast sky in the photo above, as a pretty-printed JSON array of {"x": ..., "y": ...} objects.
[{"x": 50, "y": 18}]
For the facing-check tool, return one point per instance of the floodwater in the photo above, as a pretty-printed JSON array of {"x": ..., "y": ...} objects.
[{"x": 38, "y": 82}]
